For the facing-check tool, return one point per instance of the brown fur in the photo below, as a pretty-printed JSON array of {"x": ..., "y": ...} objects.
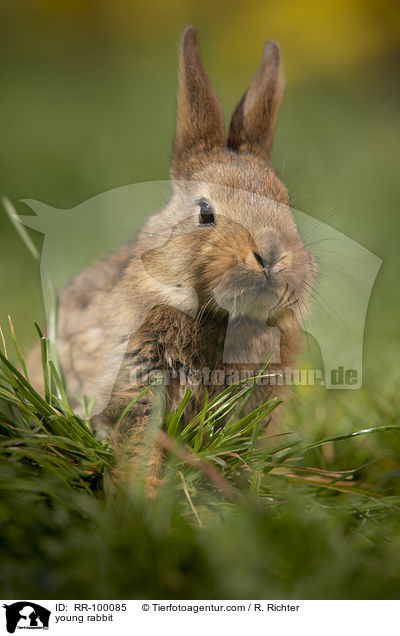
[{"x": 164, "y": 302}]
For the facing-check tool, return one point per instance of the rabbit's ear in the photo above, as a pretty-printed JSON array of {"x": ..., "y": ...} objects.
[
  {"x": 253, "y": 122},
  {"x": 200, "y": 121}
]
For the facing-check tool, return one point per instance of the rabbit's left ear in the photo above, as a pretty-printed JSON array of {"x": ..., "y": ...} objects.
[
  {"x": 253, "y": 123},
  {"x": 200, "y": 121}
]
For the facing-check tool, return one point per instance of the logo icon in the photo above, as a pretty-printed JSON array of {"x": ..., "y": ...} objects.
[
  {"x": 338, "y": 299},
  {"x": 26, "y": 615}
]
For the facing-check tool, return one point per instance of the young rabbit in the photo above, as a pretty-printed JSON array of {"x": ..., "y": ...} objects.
[{"x": 216, "y": 281}]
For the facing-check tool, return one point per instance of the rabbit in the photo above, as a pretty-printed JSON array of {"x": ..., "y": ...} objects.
[{"x": 217, "y": 280}]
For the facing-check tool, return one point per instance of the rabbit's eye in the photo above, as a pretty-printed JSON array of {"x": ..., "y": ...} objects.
[{"x": 206, "y": 216}]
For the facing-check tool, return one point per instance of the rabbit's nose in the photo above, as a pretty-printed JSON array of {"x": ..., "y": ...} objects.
[
  {"x": 267, "y": 263},
  {"x": 260, "y": 261}
]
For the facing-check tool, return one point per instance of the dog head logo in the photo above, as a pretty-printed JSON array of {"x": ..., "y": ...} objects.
[
  {"x": 76, "y": 238},
  {"x": 26, "y": 615}
]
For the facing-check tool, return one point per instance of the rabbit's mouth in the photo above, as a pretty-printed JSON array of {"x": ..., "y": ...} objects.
[{"x": 257, "y": 303}]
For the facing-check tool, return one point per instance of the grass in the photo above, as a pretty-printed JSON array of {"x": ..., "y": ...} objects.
[{"x": 306, "y": 516}]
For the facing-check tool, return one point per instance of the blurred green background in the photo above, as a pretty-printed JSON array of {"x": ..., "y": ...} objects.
[{"x": 88, "y": 104}]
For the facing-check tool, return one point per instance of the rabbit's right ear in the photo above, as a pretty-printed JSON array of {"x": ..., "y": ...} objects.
[
  {"x": 200, "y": 122},
  {"x": 253, "y": 122}
]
